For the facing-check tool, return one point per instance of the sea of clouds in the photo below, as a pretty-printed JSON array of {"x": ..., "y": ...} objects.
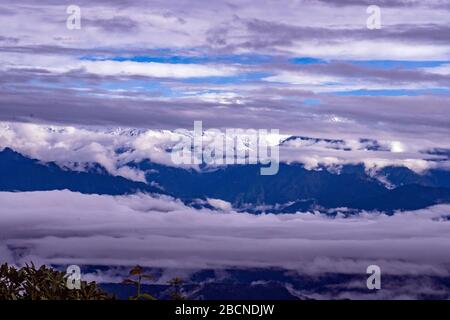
[{"x": 63, "y": 227}]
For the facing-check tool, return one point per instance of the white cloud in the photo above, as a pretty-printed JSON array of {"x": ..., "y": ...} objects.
[
  {"x": 153, "y": 69},
  {"x": 372, "y": 49},
  {"x": 62, "y": 227},
  {"x": 79, "y": 147},
  {"x": 220, "y": 204},
  {"x": 59, "y": 64},
  {"x": 442, "y": 70}
]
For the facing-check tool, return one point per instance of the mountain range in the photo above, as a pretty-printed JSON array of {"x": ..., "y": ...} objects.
[{"x": 293, "y": 189}]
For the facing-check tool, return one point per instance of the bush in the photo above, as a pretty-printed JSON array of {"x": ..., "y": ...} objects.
[{"x": 29, "y": 283}]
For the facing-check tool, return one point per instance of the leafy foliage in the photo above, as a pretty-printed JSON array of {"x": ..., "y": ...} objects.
[
  {"x": 30, "y": 283},
  {"x": 44, "y": 283}
]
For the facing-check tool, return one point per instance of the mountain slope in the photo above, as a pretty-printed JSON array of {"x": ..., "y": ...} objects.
[
  {"x": 293, "y": 189},
  {"x": 19, "y": 173},
  {"x": 299, "y": 188}
]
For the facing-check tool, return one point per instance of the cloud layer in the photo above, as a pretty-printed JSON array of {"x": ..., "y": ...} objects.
[
  {"x": 78, "y": 148},
  {"x": 61, "y": 227}
]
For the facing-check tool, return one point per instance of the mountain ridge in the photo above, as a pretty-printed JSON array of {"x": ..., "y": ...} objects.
[{"x": 293, "y": 189}]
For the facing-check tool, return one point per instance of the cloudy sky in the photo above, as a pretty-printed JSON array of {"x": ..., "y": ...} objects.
[{"x": 304, "y": 67}]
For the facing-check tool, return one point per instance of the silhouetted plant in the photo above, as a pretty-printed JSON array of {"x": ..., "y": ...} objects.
[
  {"x": 30, "y": 283},
  {"x": 136, "y": 272}
]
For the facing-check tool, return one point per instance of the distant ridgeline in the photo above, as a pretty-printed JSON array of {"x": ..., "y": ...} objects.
[{"x": 293, "y": 189}]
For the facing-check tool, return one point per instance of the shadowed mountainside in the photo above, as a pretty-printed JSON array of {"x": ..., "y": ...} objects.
[{"x": 293, "y": 189}]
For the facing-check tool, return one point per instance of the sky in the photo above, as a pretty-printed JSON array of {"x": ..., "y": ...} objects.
[{"x": 305, "y": 67}]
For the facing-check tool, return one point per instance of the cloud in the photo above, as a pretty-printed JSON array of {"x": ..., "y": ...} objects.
[
  {"x": 347, "y": 75},
  {"x": 152, "y": 69},
  {"x": 54, "y": 75},
  {"x": 121, "y": 24},
  {"x": 61, "y": 227},
  {"x": 55, "y": 64},
  {"x": 441, "y": 70},
  {"x": 220, "y": 204},
  {"x": 78, "y": 148}
]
